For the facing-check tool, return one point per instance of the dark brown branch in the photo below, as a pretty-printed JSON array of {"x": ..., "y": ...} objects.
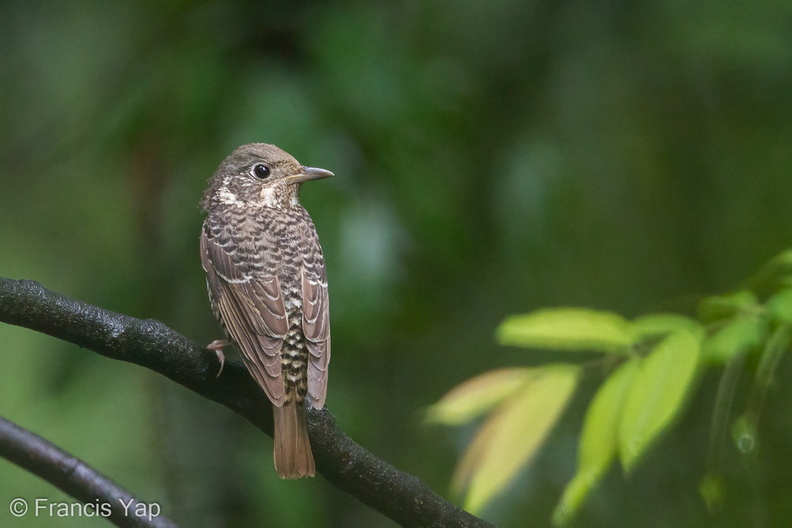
[
  {"x": 76, "y": 478},
  {"x": 151, "y": 344}
]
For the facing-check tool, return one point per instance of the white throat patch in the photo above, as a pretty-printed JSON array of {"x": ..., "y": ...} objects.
[
  {"x": 268, "y": 197},
  {"x": 227, "y": 197}
]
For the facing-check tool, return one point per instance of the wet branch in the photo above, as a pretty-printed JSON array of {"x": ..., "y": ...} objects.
[{"x": 151, "y": 344}]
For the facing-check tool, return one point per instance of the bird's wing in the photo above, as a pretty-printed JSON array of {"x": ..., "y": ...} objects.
[
  {"x": 316, "y": 328},
  {"x": 250, "y": 305}
]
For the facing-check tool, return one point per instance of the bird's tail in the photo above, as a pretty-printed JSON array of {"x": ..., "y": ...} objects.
[{"x": 293, "y": 457}]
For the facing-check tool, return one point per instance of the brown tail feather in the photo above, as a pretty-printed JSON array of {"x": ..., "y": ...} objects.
[{"x": 293, "y": 457}]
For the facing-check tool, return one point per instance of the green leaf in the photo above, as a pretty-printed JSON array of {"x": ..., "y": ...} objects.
[
  {"x": 771, "y": 356},
  {"x": 711, "y": 490},
  {"x": 598, "y": 440},
  {"x": 780, "y": 305},
  {"x": 574, "y": 329},
  {"x": 477, "y": 395},
  {"x": 656, "y": 394},
  {"x": 776, "y": 273},
  {"x": 513, "y": 434},
  {"x": 662, "y": 324},
  {"x": 721, "y": 307},
  {"x": 746, "y": 427},
  {"x": 740, "y": 335},
  {"x": 744, "y": 434}
]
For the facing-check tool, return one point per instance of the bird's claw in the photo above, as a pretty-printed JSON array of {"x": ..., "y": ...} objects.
[{"x": 217, "y": 347}]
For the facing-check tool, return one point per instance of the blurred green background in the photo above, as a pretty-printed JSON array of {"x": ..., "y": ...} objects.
[{"x": 490, "y": 158}]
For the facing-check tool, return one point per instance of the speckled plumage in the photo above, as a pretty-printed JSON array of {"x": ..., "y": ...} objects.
[{"x": 267, "y": 285}]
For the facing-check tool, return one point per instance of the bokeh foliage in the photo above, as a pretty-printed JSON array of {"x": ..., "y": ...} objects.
[
  {"x": 491, "y": 158},
  {"x": 654, "y": 363}
]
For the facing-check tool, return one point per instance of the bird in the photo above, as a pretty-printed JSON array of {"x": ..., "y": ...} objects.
[{"x": 267, "y": 284}]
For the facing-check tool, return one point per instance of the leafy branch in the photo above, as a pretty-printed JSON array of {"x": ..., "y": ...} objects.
[
  {"x": 655, "y": 362},
  {"x": 151, "y": 344}
]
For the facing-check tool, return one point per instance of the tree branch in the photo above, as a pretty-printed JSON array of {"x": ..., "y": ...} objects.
[
  {"x": 76, "y": 478},
  {"x": 151, "y": 344}
]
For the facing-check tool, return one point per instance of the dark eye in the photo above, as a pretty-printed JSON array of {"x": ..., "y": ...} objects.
[{"x": 261, "y": 171}]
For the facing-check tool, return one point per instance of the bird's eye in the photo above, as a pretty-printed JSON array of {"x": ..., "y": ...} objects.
[{"x": 261, "y": 171}]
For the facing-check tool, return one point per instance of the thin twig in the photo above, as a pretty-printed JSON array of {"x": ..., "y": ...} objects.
[{"x": 76, "y": 478}]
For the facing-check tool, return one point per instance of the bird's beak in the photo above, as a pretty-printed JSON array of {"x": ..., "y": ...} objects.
[{"x": 309, "y": 173}]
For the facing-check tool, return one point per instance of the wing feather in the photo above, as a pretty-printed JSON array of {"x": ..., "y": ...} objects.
[
  {"x": 316, "y": 328},
  {"x": 251, "y": 306}
]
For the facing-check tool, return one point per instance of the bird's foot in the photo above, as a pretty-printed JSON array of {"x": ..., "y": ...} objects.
[{"x": 217, "y": 347}]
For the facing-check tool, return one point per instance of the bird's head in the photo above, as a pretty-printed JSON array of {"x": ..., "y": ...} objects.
[{"x": 259, "y": 175}]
